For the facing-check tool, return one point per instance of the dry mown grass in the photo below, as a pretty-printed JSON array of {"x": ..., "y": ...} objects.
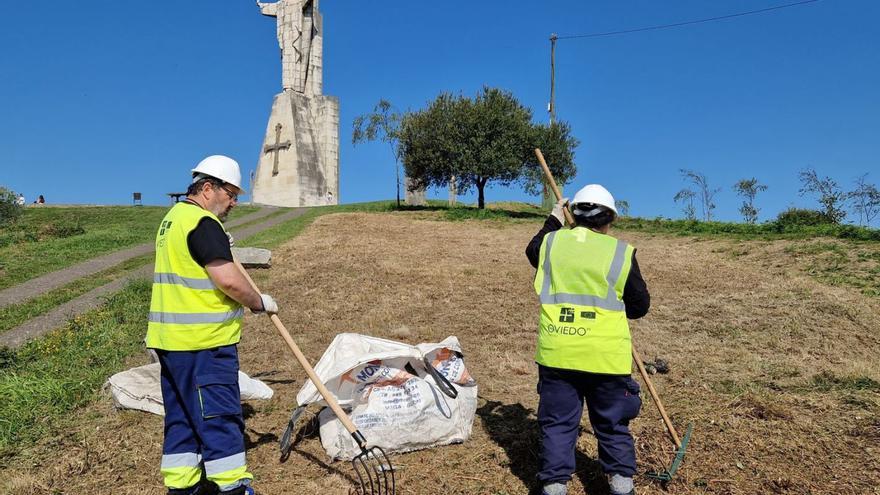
[{"x": 778, "y": 373}]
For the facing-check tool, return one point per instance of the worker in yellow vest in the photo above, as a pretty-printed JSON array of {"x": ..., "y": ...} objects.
[
  {"x": 195, "y": 323},
  {"x": 588, "y": 283}
]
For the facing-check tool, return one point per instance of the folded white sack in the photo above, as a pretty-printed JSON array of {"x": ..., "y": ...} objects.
[{"x": 138, "y": 388}]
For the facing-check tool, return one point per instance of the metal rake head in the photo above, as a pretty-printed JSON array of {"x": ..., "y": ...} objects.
[{"x": 374, "y": 471}]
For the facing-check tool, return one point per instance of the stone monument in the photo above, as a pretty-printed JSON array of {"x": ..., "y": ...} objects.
[{"x": 299, "y": 159}]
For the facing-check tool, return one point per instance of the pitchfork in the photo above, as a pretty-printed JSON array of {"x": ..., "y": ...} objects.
[{"x": 373, "y": 468}]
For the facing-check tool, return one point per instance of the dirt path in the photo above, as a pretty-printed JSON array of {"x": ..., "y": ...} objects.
[
  {"x": 747, "y": 349},
  {"x": 50, "y": 320},
  {"x": 40, "y": 285}
]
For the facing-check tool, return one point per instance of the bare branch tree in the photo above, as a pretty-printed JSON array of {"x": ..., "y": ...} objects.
[
  {"x": 622, "y": 206},
  {"x": 831, "y": 196},
  {"x": 383, "y": 124},
  {"x": 748, "y": 189},
  {"x": 707, "y": 195},
  {"x": 686, "y": 198},
  {"x": 865, "y": 200}
]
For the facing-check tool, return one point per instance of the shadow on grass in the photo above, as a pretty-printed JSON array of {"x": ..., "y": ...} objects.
[{"x": 515, "y": 429}]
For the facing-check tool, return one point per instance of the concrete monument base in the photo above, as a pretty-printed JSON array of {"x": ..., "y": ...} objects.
[{"x": 299, "y": 161}]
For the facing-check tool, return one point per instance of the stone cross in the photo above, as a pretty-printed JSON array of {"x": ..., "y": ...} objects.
[
  {"x": 269, "y": 148},
  {"x": 298, "y": 24}
]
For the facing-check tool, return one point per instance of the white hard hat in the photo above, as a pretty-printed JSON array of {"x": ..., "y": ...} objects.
[
  {"x": 220, "y": 167},
  {"x": 597, "y": 195}
]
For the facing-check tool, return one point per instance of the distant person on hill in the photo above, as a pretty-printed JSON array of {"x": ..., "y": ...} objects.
[
  {"x": 40, "y": 200},
  {"x": 20, "y": 200},
  {"x": 195, "y": 321},
  {"x": 588, "y": 283}
]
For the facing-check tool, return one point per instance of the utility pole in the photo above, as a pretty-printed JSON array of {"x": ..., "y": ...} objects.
[
  {"x": 547, "y": 198},
  {"x": 552, "y": 106}
]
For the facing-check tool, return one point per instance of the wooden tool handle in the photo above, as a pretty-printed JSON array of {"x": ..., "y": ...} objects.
[
  {"x": 328, "y": 397},
  {"x": 671, "y": 429},
  {"x": 549, "y": 176},
  {"x": 638, "y": 359}
]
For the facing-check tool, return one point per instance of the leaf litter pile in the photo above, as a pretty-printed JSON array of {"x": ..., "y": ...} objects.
[{"x": 778, "y": 373}]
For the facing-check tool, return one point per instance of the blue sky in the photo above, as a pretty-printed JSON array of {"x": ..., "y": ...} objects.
[{"x": 99, "y": 99}]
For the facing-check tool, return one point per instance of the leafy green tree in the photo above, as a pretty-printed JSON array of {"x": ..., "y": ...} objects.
[
  {"x": 707, "y": 195},
  {"x": 748, "y": 189},
  {"x": 557, "y": 145},
  {"x": 9, "y": 207},
  {"x": 383, "y": 123},
  {"x": 474, "y": 140},
  {"x": 865, "y": 200},
  {"x": 831, "y": 196}
]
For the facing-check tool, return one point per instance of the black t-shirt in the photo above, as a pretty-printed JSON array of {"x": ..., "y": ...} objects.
[{"x": 208, "y": 242}]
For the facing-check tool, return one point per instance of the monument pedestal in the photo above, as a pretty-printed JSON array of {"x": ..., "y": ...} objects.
[{"x": 299, "y": 160}]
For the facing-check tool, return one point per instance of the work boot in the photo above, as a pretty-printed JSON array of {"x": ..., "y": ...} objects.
[
  {"x": 204, "y": 487},
  {"x": 621, "y": 485},
  {"x": 555, "y": 488},
  {"x": 241, "y": 490}
]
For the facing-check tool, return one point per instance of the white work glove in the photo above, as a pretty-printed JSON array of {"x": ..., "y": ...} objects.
[
  {"x": 231, "y": 239},
  {"x": 557, "y": 210},
  {"x": 269, "y": 305}
]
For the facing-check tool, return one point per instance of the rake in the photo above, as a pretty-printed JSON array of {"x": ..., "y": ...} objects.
[
  {"x": 372, "y": 467},
  {"x": 680, "y": 444}
]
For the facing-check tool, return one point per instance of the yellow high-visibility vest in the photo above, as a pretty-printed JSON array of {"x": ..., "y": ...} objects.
[
  {"x": 187, "y": 311},
  {"x": 580, "y": 280}
]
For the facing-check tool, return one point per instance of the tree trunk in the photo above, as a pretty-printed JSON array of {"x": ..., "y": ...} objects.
[{"x": 481, "y": 198}]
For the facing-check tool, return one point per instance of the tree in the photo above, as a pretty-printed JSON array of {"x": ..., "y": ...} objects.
[
  {"x": 748, "y": 189},
  {"x": 557, "y": 145},
  {"x": 474, "y": 140},
  {"x": 383, "y": 124},
  {"x": 686, "y": 198},
  {"x": 865, "y": 200},
  {"x": 10, "y": 210},
  {"x": 706, "y": 194},
  {"x": 622, "y": 206},
  {"x": 831, "y": 197}
]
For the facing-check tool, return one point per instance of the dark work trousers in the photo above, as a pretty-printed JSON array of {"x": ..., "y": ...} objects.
[
  {"x": 612, "y": 401},
  {"x": 203, "y": 419}
]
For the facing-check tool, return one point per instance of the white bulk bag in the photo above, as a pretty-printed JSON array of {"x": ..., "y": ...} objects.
[{"x": 391, "y": 396}]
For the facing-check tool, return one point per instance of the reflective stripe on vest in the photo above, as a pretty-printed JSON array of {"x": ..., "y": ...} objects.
[
  {"x": 580, "y": 283},
  {"x": 188, "y": 312},
  {"x": 610, "y": 301}
]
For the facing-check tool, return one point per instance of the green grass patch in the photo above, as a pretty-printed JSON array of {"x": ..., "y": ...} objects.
[
  {"x": 768, "y": 230},
  {"x": 46, "y": 378},
  {"x": 828, "y": 382},
  {"x": 48, "y": 239},
  {"x": 16, "y": 314}
]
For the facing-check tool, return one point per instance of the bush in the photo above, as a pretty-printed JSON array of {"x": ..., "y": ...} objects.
[
  {"x": 9, "y": 208},
  {"x": 802, "y": 217}
]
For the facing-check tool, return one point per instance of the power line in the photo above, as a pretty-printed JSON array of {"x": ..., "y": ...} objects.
[{"x": 677, "y": 24}]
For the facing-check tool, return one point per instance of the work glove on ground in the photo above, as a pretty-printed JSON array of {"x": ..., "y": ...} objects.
[
  {"x": 269, "y": 305},
  {"x": 557, "y": 210}
]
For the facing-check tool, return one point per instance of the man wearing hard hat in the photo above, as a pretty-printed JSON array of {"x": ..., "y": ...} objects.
[
  {"x": 195, "y": 323},
  {"x": 588, "y": 283}
]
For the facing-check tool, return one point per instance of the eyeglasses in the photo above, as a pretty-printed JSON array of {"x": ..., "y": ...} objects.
[{"x": 233, "y": 196}]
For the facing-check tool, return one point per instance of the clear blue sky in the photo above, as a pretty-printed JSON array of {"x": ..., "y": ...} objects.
[{"x": 99, "y": 99}]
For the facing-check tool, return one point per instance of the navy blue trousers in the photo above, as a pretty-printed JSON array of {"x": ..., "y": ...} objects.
[
  {"x": 612, "y": 401},
  {"x": 203, "y": 419}
]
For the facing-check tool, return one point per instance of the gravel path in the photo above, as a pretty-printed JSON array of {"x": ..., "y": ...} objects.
[
  {"x": 38, "y": 326},
  {"x": 42, "y": 284}
]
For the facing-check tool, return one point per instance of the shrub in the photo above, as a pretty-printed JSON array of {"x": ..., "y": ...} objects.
[
  {"x": 802, "y": 217},
  {"x": 9, "y": 208}
]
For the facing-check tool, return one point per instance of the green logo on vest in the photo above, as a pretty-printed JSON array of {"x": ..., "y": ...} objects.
[
  {"x": 590, "y": 315},
  {"x": 566, "y": 315}
]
